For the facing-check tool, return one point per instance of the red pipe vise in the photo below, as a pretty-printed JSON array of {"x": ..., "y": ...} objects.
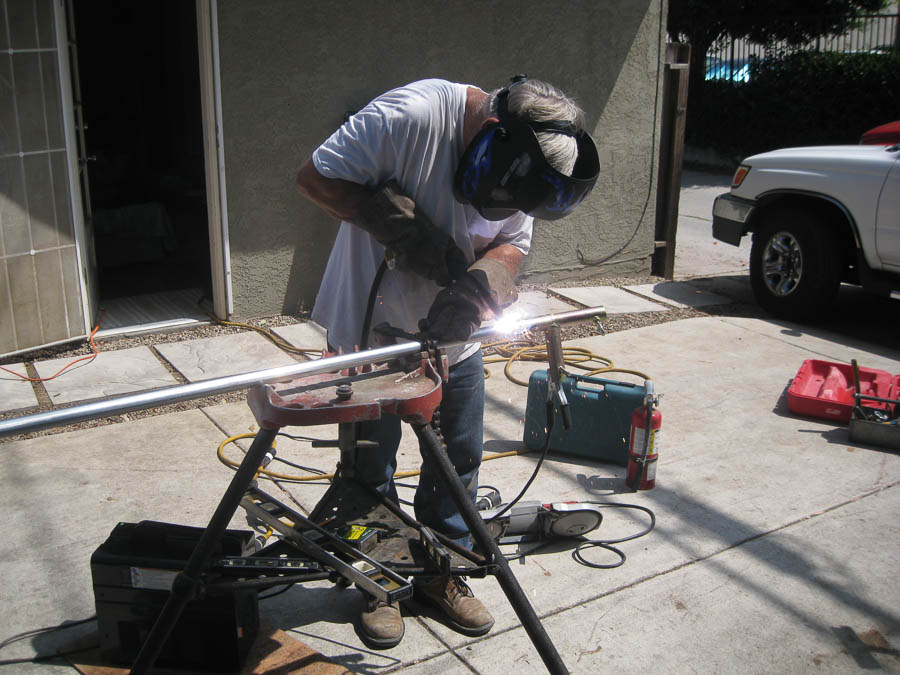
[{"x": 351, "y": 395}]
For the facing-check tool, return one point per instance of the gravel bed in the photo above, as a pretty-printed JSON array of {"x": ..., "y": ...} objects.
[{"x": 612, "y": 324}]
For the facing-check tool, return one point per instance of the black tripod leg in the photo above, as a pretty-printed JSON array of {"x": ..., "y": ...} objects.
[
  {"x": 186, "y": 583},
  {"x": 430, "y": 443}
]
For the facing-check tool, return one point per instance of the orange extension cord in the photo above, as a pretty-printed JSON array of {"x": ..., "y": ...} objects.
[{"x": 68, "y": 365}]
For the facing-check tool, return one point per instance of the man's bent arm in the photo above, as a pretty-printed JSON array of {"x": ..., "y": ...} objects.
[
  {"x": 508, "y": 255},
  {"x": 389, "y": 216},
  {"x": 341, "y": 199},
  {"x": 338, "y": 198}
]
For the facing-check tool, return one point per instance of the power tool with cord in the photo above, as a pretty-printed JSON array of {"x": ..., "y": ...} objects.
[{"x": 539, "y": 521}]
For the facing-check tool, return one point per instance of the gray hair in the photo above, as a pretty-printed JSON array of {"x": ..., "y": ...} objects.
[{"x": 538, "y": 101}]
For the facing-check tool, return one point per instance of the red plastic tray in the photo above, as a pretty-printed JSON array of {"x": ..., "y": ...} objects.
[
  {"x": 824, "y": 389},
  {"x": 895, "y": 394}
]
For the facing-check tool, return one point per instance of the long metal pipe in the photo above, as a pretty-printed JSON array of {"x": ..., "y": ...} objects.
[{"x": 155, "y": 398}]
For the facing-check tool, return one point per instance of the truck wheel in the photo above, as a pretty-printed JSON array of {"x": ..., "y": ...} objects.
[{"x": 794, "y": 264}]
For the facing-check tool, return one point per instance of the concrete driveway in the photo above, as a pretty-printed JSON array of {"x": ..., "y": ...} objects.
[{"x": 774, "y": 547}]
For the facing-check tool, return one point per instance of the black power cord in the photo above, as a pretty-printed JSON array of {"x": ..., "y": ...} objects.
[
  {"x": 585, "y": 543},
  {"x": 43, "y": 631},
  {"x": 608, "y": 543},
  {"x": 591, "y": 263}
]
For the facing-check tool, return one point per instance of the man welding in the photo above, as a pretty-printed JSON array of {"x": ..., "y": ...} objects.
[{"x": 445, "y": 180}]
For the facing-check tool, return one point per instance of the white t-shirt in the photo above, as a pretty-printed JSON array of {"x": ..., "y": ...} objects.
[{"x": 413, "y": 134}]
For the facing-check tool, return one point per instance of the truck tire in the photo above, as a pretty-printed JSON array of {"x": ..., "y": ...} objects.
[{"x": 795, "y": 267}]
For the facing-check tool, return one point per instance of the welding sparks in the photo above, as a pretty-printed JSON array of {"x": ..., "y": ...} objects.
[{"x": 510, "y": 323}]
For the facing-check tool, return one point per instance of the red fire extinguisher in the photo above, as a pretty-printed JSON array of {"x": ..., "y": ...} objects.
[{"x": 639, "y": 443}]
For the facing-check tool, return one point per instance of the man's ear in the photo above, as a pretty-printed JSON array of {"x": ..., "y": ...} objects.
[{"x": 489, "y": 121}]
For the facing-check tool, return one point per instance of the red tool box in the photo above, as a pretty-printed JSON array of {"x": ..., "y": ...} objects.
[{"x": 824, "y": 389}]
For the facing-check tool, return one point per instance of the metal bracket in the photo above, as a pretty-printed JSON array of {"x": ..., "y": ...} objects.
[
  {"x": 368, "y": 574},
  {"x": 556, "y": 372}
]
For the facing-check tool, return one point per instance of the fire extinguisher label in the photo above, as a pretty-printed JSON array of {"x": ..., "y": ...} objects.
[
  {"x": 650, "y": 473},
  {"x": 637, "y": 445}
]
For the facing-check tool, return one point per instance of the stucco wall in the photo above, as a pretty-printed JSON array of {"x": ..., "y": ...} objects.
[{"x": 290, "y": 71}]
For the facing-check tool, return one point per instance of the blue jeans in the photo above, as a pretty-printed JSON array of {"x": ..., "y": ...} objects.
[{"x": 462, "y": 424}]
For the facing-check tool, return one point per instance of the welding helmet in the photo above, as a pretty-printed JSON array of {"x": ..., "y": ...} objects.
[{"x": 503, "y": 170}]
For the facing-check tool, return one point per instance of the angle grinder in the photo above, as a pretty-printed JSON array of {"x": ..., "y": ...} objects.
[{"x": 536, "y": 521}]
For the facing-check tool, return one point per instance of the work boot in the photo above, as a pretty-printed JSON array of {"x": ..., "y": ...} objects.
[
  {"x": 381, "y": 623},
  {"x": 451, "y": 595}
]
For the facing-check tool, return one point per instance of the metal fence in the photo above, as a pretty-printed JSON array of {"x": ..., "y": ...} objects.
[{"x": 730, "y": 59}]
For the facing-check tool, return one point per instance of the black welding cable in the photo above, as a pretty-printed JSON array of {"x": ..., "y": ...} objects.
[
  {"x": 278, "y": 592},
  {"x": 294, "y": 465},
  {"x": 408, "y": 486},
  {"x": 308, "y": 469},
  {"x": 370, "y": 306},
  {"x": 295, "y": 437},
  {"x": 550, "y": 417}
]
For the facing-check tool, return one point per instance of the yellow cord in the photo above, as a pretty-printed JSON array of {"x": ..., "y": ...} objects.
[
  {"x": 269, "y": 335},
  {"x": 502, "y": 352},
  {"x": 573, "y": 357},
  {"x": 220, "y": 453}
]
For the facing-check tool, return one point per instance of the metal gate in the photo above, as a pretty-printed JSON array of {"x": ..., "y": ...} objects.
[{"x": 43, "y": 284}]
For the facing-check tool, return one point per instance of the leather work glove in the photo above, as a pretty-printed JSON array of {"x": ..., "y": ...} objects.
[
  {"x": 417, "y": 244},
  {"x": 459, "y": 309}
]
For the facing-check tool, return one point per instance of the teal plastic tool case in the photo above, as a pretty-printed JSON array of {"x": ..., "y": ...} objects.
[{"x": 601, "y": 416}]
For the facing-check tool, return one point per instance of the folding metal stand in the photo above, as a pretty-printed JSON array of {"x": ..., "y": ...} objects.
[{"x": 346, "y": 398}]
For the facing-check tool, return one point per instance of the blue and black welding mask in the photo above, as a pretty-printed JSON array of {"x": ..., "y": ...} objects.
[{"x": 503, "y": 170}]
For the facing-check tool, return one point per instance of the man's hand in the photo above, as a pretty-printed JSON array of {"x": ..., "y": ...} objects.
[
  {"x": 417, "y": 245},
  {"x": 480, "y": 293},
  {"x": 456, "y": 311}
]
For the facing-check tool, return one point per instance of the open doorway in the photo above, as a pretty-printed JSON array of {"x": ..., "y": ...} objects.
[{"x": 140, "y": 91}]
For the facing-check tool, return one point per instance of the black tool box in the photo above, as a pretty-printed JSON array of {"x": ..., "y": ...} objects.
[{"x": 132, "y": 574}]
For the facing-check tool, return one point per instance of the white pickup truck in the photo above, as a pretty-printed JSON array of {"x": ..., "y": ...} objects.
[{"x": 819, "y": 216}]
